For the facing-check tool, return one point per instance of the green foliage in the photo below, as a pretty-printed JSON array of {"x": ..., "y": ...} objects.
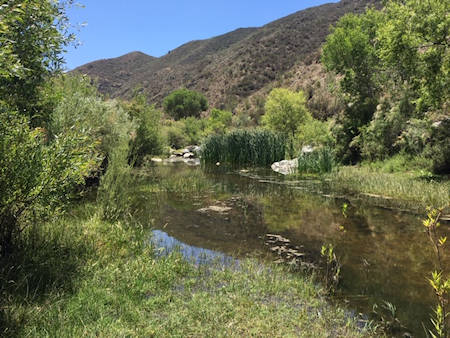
[
  {"x": 332, "y": 271},
  {"x": 33, "y": 34},
  {"x": 193, "y": 129},
  {"x": 438, "y": 147},
  {"x": 350, "y": 51},
  {"x": 413, "y": 45},
  {"x": 439, "y": 283},
  {"x": 184, "y": 103},
  {"x": 319, "y": 161},
  {"x": 399, "y": 58},
  {"x": 315, "y": 133},
  {"x": 81, "y": 108},
  {"x": 244, "y": 148},
  {"x": 218, "y": 122},
  {"x": 115, "y": 192},
  {"x": 37, "y": 177},
  {"x": 147, "y": 139},
  {"x": 401, "y": 163},
  {"x": 174, "y": 134},
  {"x": 285, "y": 112}
]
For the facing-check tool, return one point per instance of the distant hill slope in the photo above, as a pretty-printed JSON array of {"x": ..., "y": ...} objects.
[{"x": 226, "y": 68}]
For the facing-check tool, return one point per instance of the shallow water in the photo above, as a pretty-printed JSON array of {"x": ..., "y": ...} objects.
[{"x": 385, "y": 253}]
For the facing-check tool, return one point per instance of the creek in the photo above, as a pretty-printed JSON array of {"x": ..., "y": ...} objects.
[{"x": 385, "y": 254}]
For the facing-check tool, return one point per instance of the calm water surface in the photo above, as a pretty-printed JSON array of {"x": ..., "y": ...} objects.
[{"x": 385, "y": 254}]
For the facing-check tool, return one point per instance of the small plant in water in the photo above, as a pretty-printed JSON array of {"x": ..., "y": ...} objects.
[
  {"x": 344, "y": 210},
  {"x": 332, "y": 267},
  {"x": 386, "y": 318},
  {"x": 439, "y": 283}
]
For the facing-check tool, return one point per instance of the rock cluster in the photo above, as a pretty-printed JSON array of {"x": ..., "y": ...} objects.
[
  {"x": 188, "y": 155},
  {"x": 287, "y": 252}
]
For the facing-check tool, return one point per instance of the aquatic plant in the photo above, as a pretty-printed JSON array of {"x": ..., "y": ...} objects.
[
  {"x": 332, "y": 267},
  {"x": 439, "y": 283},
  {"x": 258, "y": 147},
  {"x": 316, "y": 162}
]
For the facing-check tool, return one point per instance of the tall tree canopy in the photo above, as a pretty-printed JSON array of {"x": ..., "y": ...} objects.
[
  {"x": 183, "y": 103},
  {"x": 394, "y": 67}
]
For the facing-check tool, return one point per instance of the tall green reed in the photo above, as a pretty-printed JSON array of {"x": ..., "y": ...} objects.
[
  {"x": 317, "y": 162},
  {"x": 258, "y": 147}
]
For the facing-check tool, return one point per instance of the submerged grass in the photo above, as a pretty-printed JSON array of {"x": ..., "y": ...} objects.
[
  {"x": 258, "y": 148},
  {"x": 84, "y": 276},
  {"x": 402, "y": 189}
]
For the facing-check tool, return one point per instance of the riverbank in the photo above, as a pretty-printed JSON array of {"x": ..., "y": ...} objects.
[
  {"x": 81, "y": 276},
  {"x": 404, "y": 189}
]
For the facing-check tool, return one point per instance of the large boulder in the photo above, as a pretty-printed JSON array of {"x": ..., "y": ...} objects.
[{"x": 286, "y": 167}]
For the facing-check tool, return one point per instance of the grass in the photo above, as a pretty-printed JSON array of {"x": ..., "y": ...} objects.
[
  {"x": 81, "y": 275},
  {"x": 257, "y": 148},
  {"x": 400, "y": 189}
]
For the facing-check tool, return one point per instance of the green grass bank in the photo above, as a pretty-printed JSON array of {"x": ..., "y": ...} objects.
[
  {"x": 81, "y": 276},
  {"x": 403, "y": 189}
]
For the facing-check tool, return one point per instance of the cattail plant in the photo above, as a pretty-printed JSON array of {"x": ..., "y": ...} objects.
[{"x": 258, "y": 148}]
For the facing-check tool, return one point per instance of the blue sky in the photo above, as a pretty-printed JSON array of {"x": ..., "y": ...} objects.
[{"x": 116, "y": 27}]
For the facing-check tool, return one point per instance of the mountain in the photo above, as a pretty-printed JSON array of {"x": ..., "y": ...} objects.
[{"x": 228, "y": 68}]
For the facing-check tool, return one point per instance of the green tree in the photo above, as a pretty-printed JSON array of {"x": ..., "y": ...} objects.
[
  {"x": 33, "y": 34},
  {"x": 350, "y": 51},
  {"x": 183, "y": 103},
  {"x": 285, "y": 112},
  {"x": 37, "y": 178},
  {"x": 413, "y": 46}
]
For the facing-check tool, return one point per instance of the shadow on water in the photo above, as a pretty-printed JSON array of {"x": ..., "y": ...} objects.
[{"x": 384, "y": 253}]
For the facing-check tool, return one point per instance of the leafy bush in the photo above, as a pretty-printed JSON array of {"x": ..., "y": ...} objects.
[
  {"x": 193, "y": 129},
  {"x": 315, "y": 133},
  {"x": 114, "y": 194},
  {"x": 184, "y": 103},
  {"x": 244, "y": 147},
  {"x": 37, "y": 177},
  {"x": 174, "y": 135},
  {"x": 438, "y": 150},
  {"x": 319, "y": 161},
  {"x": 415, "y": 136},
  {"x": 147, "y": 139},
  {"x": 218, "y": 121},
  {"x": 82, "y": 108}
]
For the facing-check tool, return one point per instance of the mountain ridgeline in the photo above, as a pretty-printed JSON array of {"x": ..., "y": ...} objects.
[{"x": 227, "y": 68}]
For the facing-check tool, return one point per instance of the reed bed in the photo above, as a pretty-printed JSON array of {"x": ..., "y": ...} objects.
[
  {"x": 257, "y": 148},
  {"x": 320, "y": 161}
]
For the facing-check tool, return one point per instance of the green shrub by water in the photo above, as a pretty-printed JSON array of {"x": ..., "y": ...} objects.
[
  {"x": 317, "y": 162},
  {"x": 258, "y": 147}
]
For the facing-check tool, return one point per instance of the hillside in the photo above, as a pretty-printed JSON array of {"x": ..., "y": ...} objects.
[{"x": 230, "y": 67}]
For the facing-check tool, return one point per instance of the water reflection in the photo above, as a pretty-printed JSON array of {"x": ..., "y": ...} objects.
[
  {"x": 384, "y": 253},
  {"x": 164, "y": 244}
]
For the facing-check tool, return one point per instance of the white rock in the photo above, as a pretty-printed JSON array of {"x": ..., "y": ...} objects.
[{"x": 286, "y": 167}]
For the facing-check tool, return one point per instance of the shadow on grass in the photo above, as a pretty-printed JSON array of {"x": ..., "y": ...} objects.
[{"x": 45, "y": 265}]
